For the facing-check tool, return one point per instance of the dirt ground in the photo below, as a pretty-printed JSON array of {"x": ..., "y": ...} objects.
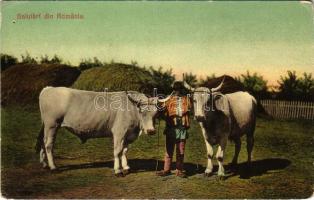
[{"x": 282, "y": 164}]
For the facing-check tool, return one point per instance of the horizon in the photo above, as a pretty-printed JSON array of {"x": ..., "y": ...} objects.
[
  {"x": 177, "y": 76},
  {"x": 200, "y": 37}
]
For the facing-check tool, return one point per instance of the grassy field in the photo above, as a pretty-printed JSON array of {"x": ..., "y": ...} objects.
[{"x": 282, "y": 164}]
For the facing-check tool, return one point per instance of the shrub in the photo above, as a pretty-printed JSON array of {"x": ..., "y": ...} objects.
[
  {"x": 89, "y": 63},
  {"x": 27, "y": 59},
  {"x": 54, "y": 60},
  {"x": 163, "y": 80},
  {"x": 255, "y": 84},
  {"x": 293, "y": 88},
  {"x": 190, "y": 78},
  {"x": 7, "y": 61},
  {"x": 206, "y": 79}
]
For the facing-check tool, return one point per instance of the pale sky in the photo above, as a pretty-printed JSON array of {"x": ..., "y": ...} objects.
[{"x": 199, "y": 37}]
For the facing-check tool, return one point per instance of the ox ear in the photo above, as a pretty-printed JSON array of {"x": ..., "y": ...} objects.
[
  {"x": 140, "y": 100},
  {"x": 133, "y": 98},
  {"x": 222, "y": 103}
]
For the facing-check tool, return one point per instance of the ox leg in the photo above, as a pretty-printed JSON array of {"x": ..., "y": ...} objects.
[
  {"x": 249, "y": 147},
  {"x": 210, "y": 152},
  {"x": 49, "y": 138},
  {"x": 124, "y": 161},
  {"x": 237, "y": 149},
  {"x": 43, "y": 158},
  {"x": 220, "y": 156},
  {"x": 223, "y": 130},
  {"x": 117, "y": 152}
]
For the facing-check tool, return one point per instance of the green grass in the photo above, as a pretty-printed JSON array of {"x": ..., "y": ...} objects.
[{"x": 282, "y": 164}]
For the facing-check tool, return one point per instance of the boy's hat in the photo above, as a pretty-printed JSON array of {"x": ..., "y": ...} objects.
[{"x": 179, "y": 86}]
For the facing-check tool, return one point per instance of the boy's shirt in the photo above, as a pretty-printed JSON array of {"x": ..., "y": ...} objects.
[{"x": 177, "y": 111}]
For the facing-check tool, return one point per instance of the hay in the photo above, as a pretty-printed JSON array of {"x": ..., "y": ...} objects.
[
  {"x": 21, "y": 84},
  {"x": 230, "y": 84},
  {"x": 116, "y": 77}
]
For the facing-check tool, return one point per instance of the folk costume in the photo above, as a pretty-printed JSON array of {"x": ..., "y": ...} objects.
[{"x": 177, "y": 123}]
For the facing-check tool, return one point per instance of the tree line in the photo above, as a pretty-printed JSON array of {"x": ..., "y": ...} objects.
[{"x": 290, "y": 86}]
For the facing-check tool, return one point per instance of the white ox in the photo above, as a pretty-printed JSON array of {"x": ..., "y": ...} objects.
[{"x": 88, "y": 114}]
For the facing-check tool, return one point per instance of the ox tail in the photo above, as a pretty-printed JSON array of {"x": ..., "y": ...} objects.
[
  {"x": 40, "y": 139},
  {"x": 253, "y": 116}
]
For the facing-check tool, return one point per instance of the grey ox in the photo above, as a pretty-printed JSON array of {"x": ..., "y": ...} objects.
[
  {"x": 87, "y": 114},
  {"x": 223, "y": 117}
]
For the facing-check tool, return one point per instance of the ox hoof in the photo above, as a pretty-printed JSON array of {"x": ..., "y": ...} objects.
[
  {"x": 221, "y": 178},
  {"x": 53, "y": 168},
  {"x": 126, "y": 172},
  {"x": 120, "y": 174},
  {"x": 45, "y": 166},
  {"x": 208, "y": 174}
]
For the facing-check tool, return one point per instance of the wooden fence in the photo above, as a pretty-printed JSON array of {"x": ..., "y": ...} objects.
[{"x": 289, "y": 109}]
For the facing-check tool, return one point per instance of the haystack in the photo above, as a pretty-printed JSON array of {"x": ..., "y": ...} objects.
[
  {"x": 116, "y": 77},
  {"x": 230, "y": 85},
  {"x": 21, "y": 84}
]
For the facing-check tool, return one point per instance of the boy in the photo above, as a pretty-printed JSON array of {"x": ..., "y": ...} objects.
[{"x": 177, "y": 109}]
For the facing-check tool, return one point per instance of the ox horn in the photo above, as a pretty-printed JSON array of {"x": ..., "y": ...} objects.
[
  {"x": 165, "y": 99},
  {"x": 187, "y": 86},
  {"x": 219, "y": 86}
]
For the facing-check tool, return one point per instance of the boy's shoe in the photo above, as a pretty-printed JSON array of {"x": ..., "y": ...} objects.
[{"x": 163, "y": 173}]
